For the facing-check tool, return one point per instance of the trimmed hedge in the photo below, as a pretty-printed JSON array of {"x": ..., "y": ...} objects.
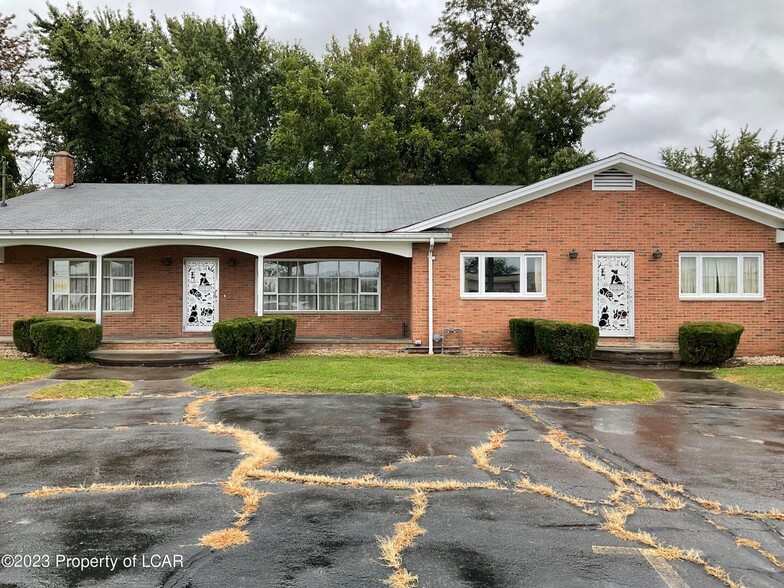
[
  {"x": 21, "y": 329},
  {"x": 565, "y": 342},
  {"x": 65, "y": 340},
  {"x": 523, "y": 336},
  {"x": 708, "y": 343},
  {"x": 254, "y": 335}
]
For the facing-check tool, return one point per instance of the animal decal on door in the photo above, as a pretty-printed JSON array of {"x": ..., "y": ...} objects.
[
  {"x": 200, "y": 293},
  {"x": 613, "y": 294}
]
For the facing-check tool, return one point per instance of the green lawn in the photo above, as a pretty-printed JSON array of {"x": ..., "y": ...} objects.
[
  {"x": 488, "y": 376},
  {"x": 768, "y": 377},
  {"x": 19, "y": 370},
  {"x": 83, "y": 389}
]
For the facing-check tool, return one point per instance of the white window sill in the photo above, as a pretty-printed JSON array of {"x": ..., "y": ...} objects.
[
  {"x": 721, "y": 299},
  {"x": 469, "y": 297}
]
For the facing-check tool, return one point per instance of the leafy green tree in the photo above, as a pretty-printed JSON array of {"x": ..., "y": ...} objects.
[
  {"x": 356, "y": 116},
  {"x": 746, "y": 165},
  {"x": 467, "y": 29},
  {"x": 225, "y": 71},
  {"x": 105, "y": 96}
]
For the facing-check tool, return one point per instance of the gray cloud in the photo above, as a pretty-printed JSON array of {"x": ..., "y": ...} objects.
[{"x": 681, "y": 69}]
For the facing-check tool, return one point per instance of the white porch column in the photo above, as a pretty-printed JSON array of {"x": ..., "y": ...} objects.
[
  {"x": 98, "y": 289},
  {"x": 259, "y": 285}
]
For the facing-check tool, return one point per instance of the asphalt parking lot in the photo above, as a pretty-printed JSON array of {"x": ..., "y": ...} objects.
[{"x": 333, "y": 491}]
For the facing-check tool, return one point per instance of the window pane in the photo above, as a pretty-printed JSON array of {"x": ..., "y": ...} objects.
[
  {"x": 719, "y": 275},
  {"x": 59, "y": 302},
  {"x": 287, "y": 268},
  {"x": 470, "y": 274},
  {"x": 287, "y": 302},
  {"x": 751, "y": 275},
  {"x": 348, "y": 285},
  {"x": 308, "y": 285},
  {"x": 328, "y": 302},
  {"x": 368, "y": 303},
  {"x": 60, "y": 267},
  {"x": 287, "y": 285},
  {"x": 81, "y": 268},
  {"x": 502, "y": 274},
  {"x": 117, "y": 303},
  {"x": 309, "y": 268},
  {"x": 369, "y": 269},
  {"x": 270, "y": 303},
  {"x": 79, "y": 302},
  {"x": 122, "y": 269},
  {"x": 79, "y": 285},
  {"x": 60, "y": 285},
  {"x": 349, "y": 269},
  {"x": 270, "y": 284},
  {"x": 307, "y": 303},
  {"x": 328, "y": 285},
  {"x": 533, "y": 277},
  {"x": 688, "y": 275},
  {"x": 328, "y": 269},
  {"x": 121, "y": 285},
  {"x": 348, "y": 303},
  {"x": 368, "y": 285},
  {"x": 270, "y": 268}
]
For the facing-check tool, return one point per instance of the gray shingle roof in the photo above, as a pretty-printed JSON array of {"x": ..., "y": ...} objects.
[{"x": 319, "y": 208}]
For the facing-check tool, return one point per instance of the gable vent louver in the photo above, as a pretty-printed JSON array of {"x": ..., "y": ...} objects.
[{"x": 613, "y": 179}]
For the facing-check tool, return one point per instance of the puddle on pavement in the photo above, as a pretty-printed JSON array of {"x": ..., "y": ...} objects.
[{"x": 93, "y": 532}]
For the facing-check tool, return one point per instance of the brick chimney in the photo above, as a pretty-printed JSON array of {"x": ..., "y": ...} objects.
[{"x": 63, "y": 169}]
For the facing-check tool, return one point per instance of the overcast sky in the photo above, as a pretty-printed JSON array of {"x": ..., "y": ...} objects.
[{"x": 682, "y": 68}]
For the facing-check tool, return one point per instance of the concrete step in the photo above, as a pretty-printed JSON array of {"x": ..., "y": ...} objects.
[
  {"x": 636, "y": 356},
  {"x": 157, "y": 343},
  {"x": 136, "y": 357}
]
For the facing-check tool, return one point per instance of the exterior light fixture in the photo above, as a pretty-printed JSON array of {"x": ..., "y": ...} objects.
[
  {"x": 232, "y": 262},
  {"x": 167, "y": 261},
  {"x": 656, "y": 253},
  {"x": 573, "y": 254}
]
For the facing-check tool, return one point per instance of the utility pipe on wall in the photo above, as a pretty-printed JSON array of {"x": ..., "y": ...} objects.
[{"x": 430, "y": 259}]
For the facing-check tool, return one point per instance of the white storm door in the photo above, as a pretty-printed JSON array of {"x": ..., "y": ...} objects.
[
  {"x": 613, "y": 293},
  {"x": 200, "y": 294}
]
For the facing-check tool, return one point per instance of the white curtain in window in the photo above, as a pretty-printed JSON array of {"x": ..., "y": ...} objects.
[
  {"x": 750, "y": 275},
  {"x": 689, "y": 275},
  {"x": 719, "y": 275},
  {"x": 534, "y": 274}
]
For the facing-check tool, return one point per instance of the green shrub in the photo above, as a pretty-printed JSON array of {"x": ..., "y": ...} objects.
[
  {"x": 65, "y": 340},
  {"x": 565, "y": 342},
  {"x": 708, "y": 343},
  {"x": 285, "y": 333},
  {"x": 254, "y": 335},
  {"x": 21, "y": 329},
  {"x": 523, "y": 336}
]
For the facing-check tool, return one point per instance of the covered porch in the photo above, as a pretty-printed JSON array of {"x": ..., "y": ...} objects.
[{"x": 168, "y": 293}]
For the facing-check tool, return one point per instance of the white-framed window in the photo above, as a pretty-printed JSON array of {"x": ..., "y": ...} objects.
[
  {"x": 72, "y": 285},
  {"x": 721, "y": 276},
  {"x": 322, "y": 285},
  {"x": 503, "y": 275}
]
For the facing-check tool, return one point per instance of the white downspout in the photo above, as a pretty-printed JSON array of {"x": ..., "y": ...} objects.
[
  {"x": 430, "y": 259},
  {"x": 98, "y": 289}
]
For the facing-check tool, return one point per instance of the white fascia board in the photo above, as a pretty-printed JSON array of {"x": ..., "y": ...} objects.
[
  {"x": 106, "y": 244},
  {"x": 644, "y": 171}
]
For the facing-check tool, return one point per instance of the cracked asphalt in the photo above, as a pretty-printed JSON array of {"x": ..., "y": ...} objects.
[{"x": 684, "y": 492}]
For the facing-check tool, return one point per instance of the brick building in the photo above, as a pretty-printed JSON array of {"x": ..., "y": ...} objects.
[{"x": 621, "y": 243}]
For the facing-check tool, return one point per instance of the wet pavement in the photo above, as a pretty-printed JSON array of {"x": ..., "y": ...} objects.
[{"x": 566, "y": 495}]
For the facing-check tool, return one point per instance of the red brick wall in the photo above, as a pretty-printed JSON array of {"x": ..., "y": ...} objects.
[
  {"x": 395, "y": 298},
  {"x": 158, "y": 291},
  {"x": 591, "y": 221}
]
